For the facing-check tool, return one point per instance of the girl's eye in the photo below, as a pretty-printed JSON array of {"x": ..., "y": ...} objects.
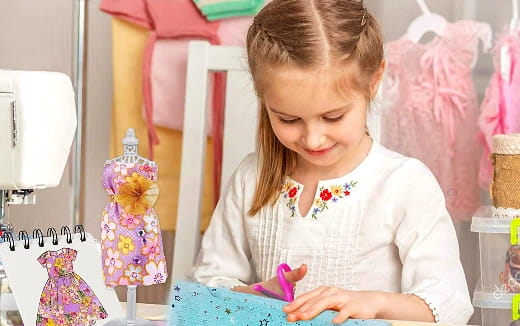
[
  {"x": 334, "y": 119},
  {"x": 289, "y": 121}
]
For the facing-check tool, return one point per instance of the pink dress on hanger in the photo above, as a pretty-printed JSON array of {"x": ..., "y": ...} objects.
[
  {"x": 500, "y": 110},
  {"x": 431, "y": 109}
]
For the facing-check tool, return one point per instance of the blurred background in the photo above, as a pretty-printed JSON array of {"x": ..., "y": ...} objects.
[{"x": 46, "y": 35}]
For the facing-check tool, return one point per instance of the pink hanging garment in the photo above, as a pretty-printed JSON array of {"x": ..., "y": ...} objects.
[
  {"x": 179, "y": 21},
  {"x": 168, "y": 90},
  {"x": 233, "y": 31},
  {"x": 434, "y": 110},
  {"x": 133, "y": 11},
  {"x": 171, "y": 55},
  {"x": 500, "y": 110}
]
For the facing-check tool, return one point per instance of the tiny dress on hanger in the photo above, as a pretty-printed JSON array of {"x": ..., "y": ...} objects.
[{"x": 131, "y": 239}]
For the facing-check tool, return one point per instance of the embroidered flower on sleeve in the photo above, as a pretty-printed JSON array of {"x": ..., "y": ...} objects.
[{"x": 137, "y": 194}]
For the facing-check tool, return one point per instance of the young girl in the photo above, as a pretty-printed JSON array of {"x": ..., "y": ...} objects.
[{"x": 365, "y": 229}]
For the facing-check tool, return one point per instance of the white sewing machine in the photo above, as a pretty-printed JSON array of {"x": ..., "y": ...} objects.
[{"x": 37, "y": 128}]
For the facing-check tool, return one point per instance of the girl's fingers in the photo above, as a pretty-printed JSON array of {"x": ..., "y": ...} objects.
[
  {"x": 316, "y": 305},
  {"x": 342, "y": 316},
  {"x": 296, "y": 274},
  {"x": 302, "y": 299}
]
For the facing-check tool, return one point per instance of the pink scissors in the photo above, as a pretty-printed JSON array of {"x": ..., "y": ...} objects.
[{"x": 287, "y": 287}]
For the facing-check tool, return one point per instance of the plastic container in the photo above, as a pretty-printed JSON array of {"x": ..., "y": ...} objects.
[
  {"x": 494, "y": 242},
  {"x": 495, "y": 307}
]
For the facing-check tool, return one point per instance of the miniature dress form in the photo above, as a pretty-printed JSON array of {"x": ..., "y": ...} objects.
[
  {"x": 130, "y": 233},
  {"x": 131, "y": 242}
]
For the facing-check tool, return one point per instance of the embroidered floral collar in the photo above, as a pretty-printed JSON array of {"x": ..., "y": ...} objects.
[{"x": 330, "y": 194}]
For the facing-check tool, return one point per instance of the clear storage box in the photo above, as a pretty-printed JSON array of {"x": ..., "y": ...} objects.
[
  {"x": 494, "y": 243},
  {"x": 495, "y": 307}
]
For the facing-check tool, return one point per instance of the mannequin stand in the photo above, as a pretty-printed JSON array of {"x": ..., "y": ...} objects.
[{"x": 131, "y": 319}]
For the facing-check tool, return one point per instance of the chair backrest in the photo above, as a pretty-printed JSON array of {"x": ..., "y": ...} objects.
[
  {"x": 239, "y": 135},
  {"x": 240, "y": 125}
]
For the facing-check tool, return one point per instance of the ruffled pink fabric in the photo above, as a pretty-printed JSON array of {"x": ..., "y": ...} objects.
[
  {"x": 432, "y": 110},
  {"x": 500, "y": 110}
]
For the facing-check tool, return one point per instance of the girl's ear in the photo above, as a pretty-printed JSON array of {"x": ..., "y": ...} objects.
[{"x": 377, "y": 78}]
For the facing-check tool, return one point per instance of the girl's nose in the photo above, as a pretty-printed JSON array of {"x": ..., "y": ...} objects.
[{"x": 313, "y": 138}]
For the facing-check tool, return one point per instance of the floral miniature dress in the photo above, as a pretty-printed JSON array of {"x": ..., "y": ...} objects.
[
  {"x": 131, "y": 240},
  {"x": 66, "y": 298}
]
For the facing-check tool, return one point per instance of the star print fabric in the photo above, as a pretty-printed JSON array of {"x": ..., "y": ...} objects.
[{"x": 194, "y": 304}]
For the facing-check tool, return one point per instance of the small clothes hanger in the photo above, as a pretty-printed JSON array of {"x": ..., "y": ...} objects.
[
  {"x": 514, "y": 20},
  {"x": 130, "y": 155},
  {"x": 427, "y": 22},
  {"x": 505, "y": 54}
]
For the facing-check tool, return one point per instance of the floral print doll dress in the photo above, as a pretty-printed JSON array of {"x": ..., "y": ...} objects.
[
  {"x": 131, "y": 240},
  {"x": 66, "y": 298}
]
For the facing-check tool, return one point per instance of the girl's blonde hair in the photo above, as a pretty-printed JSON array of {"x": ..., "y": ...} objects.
[{"x": 306, "y": 34}]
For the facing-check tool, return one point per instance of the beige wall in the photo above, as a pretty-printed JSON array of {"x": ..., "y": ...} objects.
[
  {"x": 40, "y": 35},
  {"x": 37, "y": 35}
]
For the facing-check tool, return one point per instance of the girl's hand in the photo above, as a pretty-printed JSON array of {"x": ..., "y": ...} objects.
[
  {"x": 349, "y": 304},
  {"x": 293, "y": 276}
]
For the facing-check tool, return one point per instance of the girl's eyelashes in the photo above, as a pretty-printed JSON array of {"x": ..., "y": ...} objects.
[
  {"x": 326, "y": 119},
  {"x": 334, "y": 119},
  {"x": 289, "y": 121}
]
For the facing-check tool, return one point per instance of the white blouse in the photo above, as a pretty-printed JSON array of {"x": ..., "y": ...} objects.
[{"x": 383, "y": 226}]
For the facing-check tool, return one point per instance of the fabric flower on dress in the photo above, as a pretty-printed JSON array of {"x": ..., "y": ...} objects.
[
  {"x": 133, "y": 273},
  {"x": 123, "y": 168},
  {"x": 112, "y": 261},
  {"x": 156, "y": 273},
  {"x": 137, "y": 195},
  {"x": 107, "y": 228},
  {"x": 125, "y": 244},
  {"x": 152, "y": 248},
  {"x": 129, "y": 221},
  {"x": 151, "y": 223}
]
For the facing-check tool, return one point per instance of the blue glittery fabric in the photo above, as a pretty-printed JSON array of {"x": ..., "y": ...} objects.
[{"x": 194, "y": 304}]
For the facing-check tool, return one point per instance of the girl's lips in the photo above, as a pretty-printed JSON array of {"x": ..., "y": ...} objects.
[{"x": 320, "y": 152}]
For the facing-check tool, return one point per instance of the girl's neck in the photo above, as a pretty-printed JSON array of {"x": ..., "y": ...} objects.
[{"x": 308, "y": 172}]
